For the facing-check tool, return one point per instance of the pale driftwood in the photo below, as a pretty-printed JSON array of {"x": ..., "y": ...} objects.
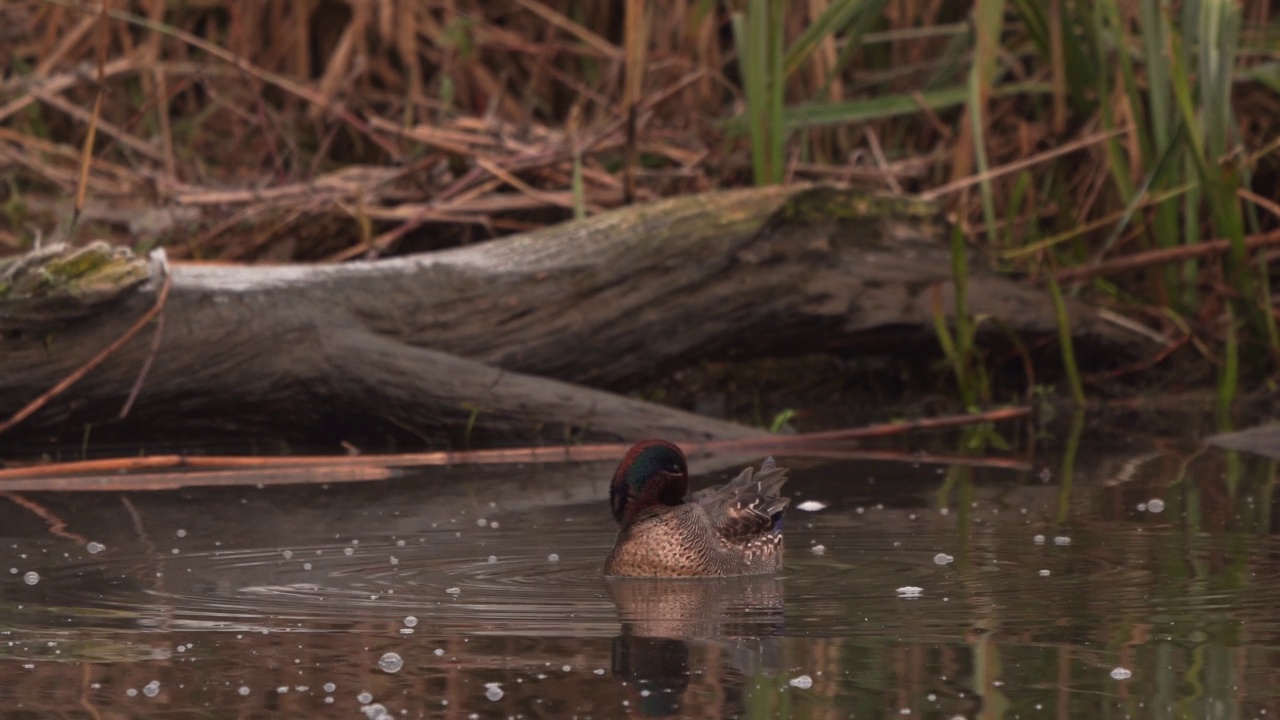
[{"x": 435, "y": 342}]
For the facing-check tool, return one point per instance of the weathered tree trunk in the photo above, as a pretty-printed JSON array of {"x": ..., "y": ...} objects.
[{"x": 450, "y": 339}]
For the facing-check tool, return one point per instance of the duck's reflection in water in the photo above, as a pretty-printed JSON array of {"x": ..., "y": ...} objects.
[{"x": 662, "y": 617}]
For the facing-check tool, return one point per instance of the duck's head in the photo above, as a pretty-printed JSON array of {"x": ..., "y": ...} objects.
[{"x": 653, "y": 472}]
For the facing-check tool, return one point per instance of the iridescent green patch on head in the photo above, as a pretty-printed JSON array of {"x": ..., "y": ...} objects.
[{"x": 653, "y": 472}]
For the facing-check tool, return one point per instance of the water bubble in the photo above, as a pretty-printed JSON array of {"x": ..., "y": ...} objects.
[
  {"x": 811, "y": 506},
  {"x": 910, "y": 591},
  {"x": 943, "y": 559},
  {"x": 330, "y": 687},
  {"x": 454, "y": 591},
  {"x": 151, "y": 689},
  {"x": 364, "y": 698},
  {"x": 31, "y": 578},
  {"x": 348, "y": 551},
  {"x": 395, "y": 560},
  {"x": 243, "y": 690},
  {"x": 131, "y": 692},
  {"x": 481, "y": 522},
  {"x": 409, "y": 621},
  {"x": 1062, "y": 540},
  {"x": 493, "y": 559},
  {"x": 181, "y": 533},
  {"x": 287, "y": 554},
  {"x": 1142, "y": 507},
  {"x": 804, "y": 682},
  {"x": 818, "y": 549},
  {"x": 438, "y": 652},
  {"x": 1155, "y": 505},
  {"x": 1044, "y": 573},
  {"x": 1039, "y": 539},
  {"x": 390, "y": 663},
  {"x": 1121, "y": 673},
  {"x": 282, "y": 689},
  {"x": 553, "y": 558},
  {"x": 493, "y": 691},
  {"x": 95, "y": 547}
]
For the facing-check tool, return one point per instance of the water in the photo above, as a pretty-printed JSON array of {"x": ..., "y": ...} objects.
[{"x": 1141, "y": 585}]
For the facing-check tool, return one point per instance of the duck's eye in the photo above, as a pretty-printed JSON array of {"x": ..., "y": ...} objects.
[{"x": 675, "y": 468}]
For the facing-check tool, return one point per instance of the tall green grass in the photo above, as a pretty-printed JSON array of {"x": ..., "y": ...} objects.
[{"x": 1156, "y": 79}]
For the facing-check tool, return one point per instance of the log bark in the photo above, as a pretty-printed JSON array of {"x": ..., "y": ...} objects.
[{"x": 454, "y": 339}]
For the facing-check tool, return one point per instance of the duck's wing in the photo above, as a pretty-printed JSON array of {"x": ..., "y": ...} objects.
[{"x": 749, "y": 505}]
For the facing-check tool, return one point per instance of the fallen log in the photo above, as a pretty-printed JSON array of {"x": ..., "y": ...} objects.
[{"x": 449, "y": 342}]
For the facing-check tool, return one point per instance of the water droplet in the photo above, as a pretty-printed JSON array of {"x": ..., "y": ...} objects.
[
  {"x": 390, "y": 663},
  {"x": 151, "y": 689},
  {"x": 348, "y": 551},
  {"x": 1044, "y": 573},
  {"x": 330, "y": 687},
  {"x": 287, "y": 554},
  {"x": 553, "y": 558},
  {"x": 1062, "y": 540},
  {"x": 811, "y": 505},
  {"x": 131, "y": 692},
  {"x": 1121, "y": 673},
  {"x": 454, "y": 591},
  {"x": 31, "y": 578},
  {"x": 244, "y": 690},
  {"x": 181, "y": 533},
  {"x": 1039, "y": 539},
  {"x": 910, "y": 591},
  {"x": 282, "y": 689},
  {"x": 493, "y": 559},
  {"x": 1155, "y": 505},
  {"x": 943, "y": 559},
  {"x": 804, "y": 682},
  {"x": 818, "y": 549},
  {"x": 95, "y": 547},
  {"x": 364, "y": 698},
  {"x": 438, "y": 652},
  {"x": 409, "y": 621},
  {"x": 481, "y": 522},
  {"x": 492, "y": 691}
]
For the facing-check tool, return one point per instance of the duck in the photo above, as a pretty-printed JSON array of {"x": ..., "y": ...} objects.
[{"x": 732, "y": 529}]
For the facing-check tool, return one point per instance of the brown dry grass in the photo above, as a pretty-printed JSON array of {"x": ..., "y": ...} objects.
[
  {"x": 334, "y": 129},
  {"x": 238, "y": 130}
]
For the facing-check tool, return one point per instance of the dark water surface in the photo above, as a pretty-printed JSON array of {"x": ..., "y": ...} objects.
[{"x": 1118, "y": 583}]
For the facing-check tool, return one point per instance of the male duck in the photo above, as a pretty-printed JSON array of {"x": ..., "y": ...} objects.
[{"x": 733, "y": 529}]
